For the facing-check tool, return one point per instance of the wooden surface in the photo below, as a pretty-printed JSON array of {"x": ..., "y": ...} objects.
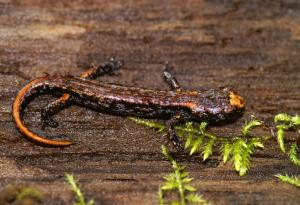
[{"x": 253, "y": 46}]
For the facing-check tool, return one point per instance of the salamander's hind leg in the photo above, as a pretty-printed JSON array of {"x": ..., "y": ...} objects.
[
  {"x": 171, "y": 134},
  {"x": 52, "y": 108},
  {"x": 106, "y": 68},
  {"x": 170, "y": 79}
]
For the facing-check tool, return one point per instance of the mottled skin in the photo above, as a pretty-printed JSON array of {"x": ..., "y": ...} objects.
[
  {"x": 210, "y": 105},
  {"x": 107, "y": 67},
  {"x": 213, "y": 105}
]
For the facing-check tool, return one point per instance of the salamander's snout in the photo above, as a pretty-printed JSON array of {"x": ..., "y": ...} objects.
[{"x": 236, "y": 100}]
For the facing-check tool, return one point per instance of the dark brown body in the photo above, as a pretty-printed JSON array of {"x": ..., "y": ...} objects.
[{"x": 206, "y": 104}]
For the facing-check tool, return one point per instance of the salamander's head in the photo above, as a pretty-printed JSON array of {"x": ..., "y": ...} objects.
[
  {"x": 235, "y": 100},
  {"x": 217, "y": 106}
]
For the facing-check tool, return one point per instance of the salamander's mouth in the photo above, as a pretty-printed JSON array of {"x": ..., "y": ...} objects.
[{"x": 236, "y": 100}]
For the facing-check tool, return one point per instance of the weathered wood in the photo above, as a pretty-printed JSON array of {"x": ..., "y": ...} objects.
[{"x": 251, "y": 45}]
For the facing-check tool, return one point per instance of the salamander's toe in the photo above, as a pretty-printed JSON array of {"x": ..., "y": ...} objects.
[{"x": 177, "y": 143}]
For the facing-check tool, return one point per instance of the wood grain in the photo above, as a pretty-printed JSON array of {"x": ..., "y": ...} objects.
[{"x": 252, "y": 45}]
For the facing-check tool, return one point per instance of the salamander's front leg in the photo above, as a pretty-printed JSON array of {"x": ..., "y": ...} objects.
[
  {"x": 65, "y": 100},
  {"x": 170, "y": 79},
  {"x": 177, "y": 142}
]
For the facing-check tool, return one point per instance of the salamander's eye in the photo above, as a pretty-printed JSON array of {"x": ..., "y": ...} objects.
[
  {"x": 227, "y": 89},
  {"x": 236, "y": 100}
]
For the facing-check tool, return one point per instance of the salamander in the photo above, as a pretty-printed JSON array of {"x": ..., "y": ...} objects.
[{"x": 175, "y": 105}]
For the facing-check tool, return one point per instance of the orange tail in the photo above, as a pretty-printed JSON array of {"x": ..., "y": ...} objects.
[{"x": 19, "y": 101}]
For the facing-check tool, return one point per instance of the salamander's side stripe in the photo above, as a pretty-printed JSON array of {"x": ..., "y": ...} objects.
[{"x": 16, "y": 112}]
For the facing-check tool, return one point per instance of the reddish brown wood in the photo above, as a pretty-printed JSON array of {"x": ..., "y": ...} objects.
[{"x": 251, "y": 45}]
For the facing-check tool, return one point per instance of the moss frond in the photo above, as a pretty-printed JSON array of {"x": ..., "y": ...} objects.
[
  {"x": 208, "y": 149},
  {"x": 289, "y": 179},
  {"x": 249, "y": 126},
  {"x": 179, "y": 181},
  {"x": 280, "y": 137},
  {"x": 238, "y": 149},
  {"x": 293, "y": 155},
  {"x": 80, "y": 200},
  {"x": 148, "y": 123},
  {"x": 286, "y": 122},
  {"x": 226, "y": 151},
  {"x": 283, "y": 118},
  {"x": 29, "y": 192}
]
